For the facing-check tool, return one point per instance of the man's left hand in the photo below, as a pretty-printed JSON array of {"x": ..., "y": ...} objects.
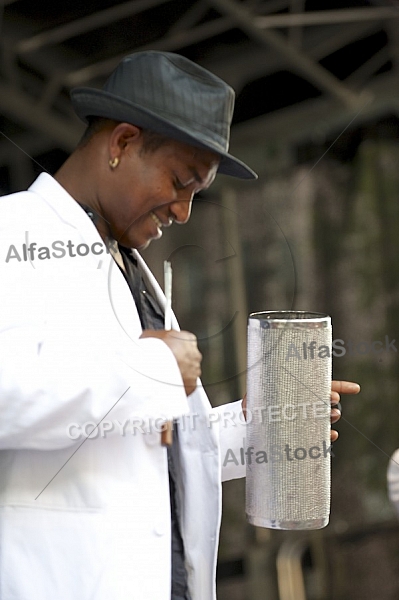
[{"x": 337, "y": 388}]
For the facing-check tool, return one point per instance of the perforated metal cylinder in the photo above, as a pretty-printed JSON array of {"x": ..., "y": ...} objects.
[{"x": 288, "y": 448}]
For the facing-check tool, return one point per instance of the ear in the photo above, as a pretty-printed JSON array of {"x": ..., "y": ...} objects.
[{"x": 122, "y": 138}]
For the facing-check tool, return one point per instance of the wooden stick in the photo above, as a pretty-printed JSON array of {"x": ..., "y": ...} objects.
[
  {"x": 167, "y": 431},
  {"x": 167, "y": 267}
]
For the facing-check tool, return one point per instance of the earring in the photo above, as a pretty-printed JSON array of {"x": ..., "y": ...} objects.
[{"x": 113, "y": 162}]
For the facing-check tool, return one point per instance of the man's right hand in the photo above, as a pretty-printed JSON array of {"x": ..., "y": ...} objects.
[{"x": 184, "y": 347}]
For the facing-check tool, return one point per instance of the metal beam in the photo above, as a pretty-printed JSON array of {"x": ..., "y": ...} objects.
[
  {"x": 393, "y": 42},
  {"x": 190, "y": 18},
  {"x": 174, "y": 42},
  {"x": 291, "y": 581},
  {"x": 327, "y": 17},
  {"x": 251, "y": 63},
  {"x": 314, "y": 72},
  {"x": 317, "y": 118},
  {"x": 367, "y": 69},
  {"x": 85, "y": 24},
  {"x": 178, "y": 40},
  {"x": 16, "y": 104},
  {"x": 269, "y": 7},
  {"x": 295, "y": 34},
  {"x": 338, "y": 37},
  {"x": 175, "y": 39}
]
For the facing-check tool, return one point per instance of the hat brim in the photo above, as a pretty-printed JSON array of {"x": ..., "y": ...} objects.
[{"x": 98, "y": 103}]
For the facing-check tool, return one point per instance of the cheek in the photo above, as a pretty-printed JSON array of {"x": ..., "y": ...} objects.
[
  {"x": 136, "y": 215},
  {"x": 132, "y": 203},
  {"x": 156, "y": 187},
  {"x": 135, "y": 203}
]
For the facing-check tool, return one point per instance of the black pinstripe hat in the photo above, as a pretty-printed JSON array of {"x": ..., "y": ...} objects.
[{"x": 169, "y": 94}]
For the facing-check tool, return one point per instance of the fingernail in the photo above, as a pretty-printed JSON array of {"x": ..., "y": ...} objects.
[{"x": 355, "y": 386}]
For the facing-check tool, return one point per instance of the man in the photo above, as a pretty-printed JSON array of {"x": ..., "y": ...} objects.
[
  {"x": 114, "y": 514},
  {"x": 393, "y": 480}
]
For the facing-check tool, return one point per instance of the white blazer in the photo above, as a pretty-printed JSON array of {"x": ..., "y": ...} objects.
[
  {"x": 393, "y": 480},
  {"x": 89, "y": 519}
]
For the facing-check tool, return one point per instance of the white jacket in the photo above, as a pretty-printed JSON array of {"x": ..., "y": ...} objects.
[
  {"x": 393, "y": 480},
  {"x": 70, "y": 355}
]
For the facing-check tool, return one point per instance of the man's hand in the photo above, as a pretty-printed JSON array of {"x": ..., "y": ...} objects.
[
  {"x": 337, "y": 388},
  {"x": 184, "y": 346}
]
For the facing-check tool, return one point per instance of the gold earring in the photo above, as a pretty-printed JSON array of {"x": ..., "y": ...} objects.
[{"x": 113, "y": 162}]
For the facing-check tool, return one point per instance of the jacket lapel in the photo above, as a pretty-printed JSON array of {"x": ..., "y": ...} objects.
[{"x": 154, "y": 286}]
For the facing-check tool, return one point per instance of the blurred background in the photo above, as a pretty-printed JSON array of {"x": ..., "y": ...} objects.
[{"x": 317, "y": 116}]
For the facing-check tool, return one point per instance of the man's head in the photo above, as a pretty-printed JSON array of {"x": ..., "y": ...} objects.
[
  {"x": 158, "y": 133},
  {"x": 143, "y": 181}
]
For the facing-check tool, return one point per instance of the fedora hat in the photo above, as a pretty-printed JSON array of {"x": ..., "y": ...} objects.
[{"x": 170, "y": 95}]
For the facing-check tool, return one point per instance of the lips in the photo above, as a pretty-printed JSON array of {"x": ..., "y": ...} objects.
[
  {"x": 157, "y": 221},
  {"x": 165, "y": 223}
]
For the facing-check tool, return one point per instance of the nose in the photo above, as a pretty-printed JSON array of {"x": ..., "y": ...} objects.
[{"x": 181, "y": 210}]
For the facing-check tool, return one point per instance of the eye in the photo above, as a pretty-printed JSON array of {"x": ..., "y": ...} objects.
[{"x": 178, "y": 184}]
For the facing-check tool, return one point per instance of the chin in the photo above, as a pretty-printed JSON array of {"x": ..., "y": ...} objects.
[
  {"x": 134, "y": 243},
  {"x": 142, "y": 245}
]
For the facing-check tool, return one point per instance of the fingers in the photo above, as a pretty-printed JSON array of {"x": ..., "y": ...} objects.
[
  {"x": 337, "y": 388},
  {"x": 345, "y": 387},
  {"x": 335, "y": 415},
  {"x": 189, "y": 359},
  {"x": 335, "y": 397},
  {"x": 170, "y": 334},
  {"x": 244, "y": 405},
  {"x": 334, "y": 435},
  {"x": 183, "y": 344}
]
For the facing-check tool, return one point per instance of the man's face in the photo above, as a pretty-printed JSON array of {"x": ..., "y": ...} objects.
[{"x": 151, "y": 190}]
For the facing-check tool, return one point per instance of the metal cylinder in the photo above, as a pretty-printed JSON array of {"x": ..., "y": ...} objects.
[{"x": 288, "y": 448}]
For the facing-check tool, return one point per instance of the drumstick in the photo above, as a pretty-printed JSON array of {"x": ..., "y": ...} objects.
[
  {"x": 167, "y": 432},
  {"x": 168, "y": 293}
]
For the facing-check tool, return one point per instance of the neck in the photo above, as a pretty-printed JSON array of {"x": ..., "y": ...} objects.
[{"x": 78, "y": 179}]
